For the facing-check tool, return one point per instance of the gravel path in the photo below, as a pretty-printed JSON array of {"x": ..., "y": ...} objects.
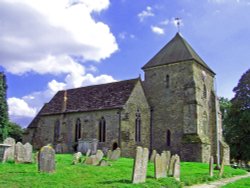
[{"x": 219, "y": 183}]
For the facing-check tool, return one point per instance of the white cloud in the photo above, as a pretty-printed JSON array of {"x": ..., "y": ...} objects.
[
  {"x": 145, "y": 13},
  {"x": 56, "y": 33},
  {"x": 165, "y": 22},
  {"x": 18, "y": 107},
  {"x": 157, "y": 30}
]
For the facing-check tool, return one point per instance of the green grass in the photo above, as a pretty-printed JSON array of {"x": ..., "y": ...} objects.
[
  {"x": 117, "y": 175},
  {"x": 242, "y": 183}
]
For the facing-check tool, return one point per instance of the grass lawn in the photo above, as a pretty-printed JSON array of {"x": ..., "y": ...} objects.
[
  {"x": 242, "y": 183},
  {"x": 117, "y": 175}
]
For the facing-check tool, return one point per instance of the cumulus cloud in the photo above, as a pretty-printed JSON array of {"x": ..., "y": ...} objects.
[
  {"x": 157, "y": 30},
  {"x": 35, "y": 33},
  {"x": 145, "y": 13}
]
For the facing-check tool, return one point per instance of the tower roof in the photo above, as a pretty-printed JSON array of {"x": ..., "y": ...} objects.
[{"x": 175, "y": 51}]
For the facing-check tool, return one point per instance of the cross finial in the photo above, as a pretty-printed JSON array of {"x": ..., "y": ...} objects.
[{"x": 178, "y": 23}]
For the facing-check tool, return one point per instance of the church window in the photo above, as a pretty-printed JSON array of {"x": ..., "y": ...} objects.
[
  {"x": 102, "y": 130},
  {"x": 168, "y": 138},
  {"x": 204, "y": 91},
  {"x": 57, "y": 130},
  {"x": 167, "y": 81},
  {"x": 138, "y": 126},
  {"x": 78, "y": 130}
]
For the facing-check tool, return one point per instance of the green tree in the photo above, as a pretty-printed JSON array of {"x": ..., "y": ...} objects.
[
  {"x": 237, "y": 121},
  {"x": 4, "y": 119},
  {"x": 15, "y": 131}
]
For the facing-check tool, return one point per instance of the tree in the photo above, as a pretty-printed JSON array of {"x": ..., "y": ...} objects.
[
  {"x": 237, "y": 122},
  {"x": 15, "y": 131},
  {"x": 4, "y": 119}
]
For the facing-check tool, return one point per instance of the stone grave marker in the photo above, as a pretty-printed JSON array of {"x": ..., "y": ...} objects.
[
  {"x": 77, "y": 158},
  {"x": 222, "y": 167},
  {"x": 109, "y": 154},
  {"x": 28, "y": 153},
  {"x": 9, "y": 152},
  {"x": 168, "y": 157},
  {"x": 88, "y": 153},
  {"x": 20, "y": 153},
  {"x": 115, "y": 154},
  {"x": 176, "y": 168},
  {"x": 171, "y": 165},
  {"x": 99, "y": 155},
  {"x": 160, "y": 168},
  {"x": 104, "y": 163},
  {"x": 46, "y": 159},
  {"x": 140, "y": 165},
  {"x": 211, "y": 166},
  {"x": 152, "y": 157}
]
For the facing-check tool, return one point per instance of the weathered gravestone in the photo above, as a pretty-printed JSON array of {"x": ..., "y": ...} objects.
[
  {"x": 171, "y": 165},
  {"x": 94, "y": 159},
  {"x": 99, "y": 155},
  {"x": 168, "y": 157},
  {"x": 46, "y": 159},
  {"x": 140, "y": 165},
  {"x": 115, "y": 154},
  {"x": 222, "y": 167},
  {"x": 211, "y": 166},
  {"x": 77, "y": 158},
  {"x": 160, "y": 167},
  {"x": 152, "y": 157},
  {"x": 88, "y": 153},
  {"x": 109, "y": 154},
  {"x": 104, "y": 163},
  {"x": 9, "y": 154},
  {"x": 23, "y": 153},
  {"x": 176, "y": 168}
]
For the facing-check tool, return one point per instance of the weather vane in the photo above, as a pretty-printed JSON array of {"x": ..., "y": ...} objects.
[{"x": 178, "y": 23}]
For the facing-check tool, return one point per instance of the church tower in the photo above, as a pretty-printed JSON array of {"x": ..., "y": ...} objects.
[{"x": 180, "y": 89}]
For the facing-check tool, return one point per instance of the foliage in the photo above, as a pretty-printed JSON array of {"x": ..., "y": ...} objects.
[
  {"x": 15, "y": 131},
  {"x": 242, "y": 183},
  {"x": 237, "y": 120},
  {"x": 117, "y": 175},
  {"x": 4, "y": 119}
]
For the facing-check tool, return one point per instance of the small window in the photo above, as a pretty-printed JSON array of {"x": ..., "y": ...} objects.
[
  {"x": 57, "y": 130},
  {"x": 78, "y": 130},
  {"x": 204, "y": 91},
  {"x": 168, "y": 138},
  {"x": 138, "y": 126},
  {"x": 102, "y": 130},
  {"x": 167, "y": 81}
]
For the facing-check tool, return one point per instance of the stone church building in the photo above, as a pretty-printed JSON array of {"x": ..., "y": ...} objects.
[{"x": 175, "y": 108}]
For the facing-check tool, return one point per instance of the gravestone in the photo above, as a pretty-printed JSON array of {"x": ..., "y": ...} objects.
[
  {"x": 168, "y": 157},
  {"x": 88, "y": 153},
  {"x": 171, "y": 165},
  {"x": 211, "y": 166},
  {"x": 115, "y": 154},
  {"x": 109, "y": 154},
  {"x": 99, "y": 155},
  {"x": 28, "y": 153},
  {"x": 222, "y": 167},
  {"x": 84, "y": 145},
  {"x": 104, "y": 163},
  {"x": 176, "y": 168},
  {"x": 9, "y": 152},
  {"x": 46, "y": 159},
  {"x": 140, "y": 165},
  {"x": 77, "y": 158},
  {"x": 94, "y": 159},
  {"x": 152, "y": 157},
  {"x": 160, "y": 168}
]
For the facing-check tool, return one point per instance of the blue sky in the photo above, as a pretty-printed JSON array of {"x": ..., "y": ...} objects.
[{"x": 48, "y": 45}]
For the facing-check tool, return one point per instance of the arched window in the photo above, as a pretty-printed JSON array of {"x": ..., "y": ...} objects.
[
  {"x": 102, "y": 130},
  {"x": 168, "y": 138},
  {"x": 138, "y": 126},
  {"x": 57, "y": 130},
  {"x": 78, "y": 130},
  {"x": 204, "y": 91},
  {"x": 167, "y": 81}
]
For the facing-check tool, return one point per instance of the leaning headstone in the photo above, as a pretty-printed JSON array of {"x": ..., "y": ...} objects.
[
  {"x": 88, "y": 153},
  {"x": 9, "y": 154},
  {"x": 104, "y": 163},
  {"x": 176, "y": 168},
  {"x": 46, "y": 159},
  {"x": 92, "y": 160},
  {"x": 160, "y": 168},
  {"x": 115, "y": 154},
  {"x": 77, "y": 158},
  {"x": 222, "y": 168},
  {"x": 152, "y": 157},
  {"x": 99, "y": 155},
  {"x": 211, "y": 166},
  {"x": 28, "y": 153},
  {"x": 109, "y": 154},
  {"x": 171, "y": 165},
  {"x": 140, "y": 165}
]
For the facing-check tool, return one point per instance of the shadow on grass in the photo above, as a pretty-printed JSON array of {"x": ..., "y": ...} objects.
[{"x": 116, "y": 181}]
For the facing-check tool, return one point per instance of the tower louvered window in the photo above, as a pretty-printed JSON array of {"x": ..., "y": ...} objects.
[
  {"x": 78, "y": 130},
  {"x": 138, "y": 126},
  {"x": 102, "y": 130}
]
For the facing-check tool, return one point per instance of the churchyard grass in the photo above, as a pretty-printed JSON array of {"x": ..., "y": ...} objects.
[
  {"x": 242, "y": 183},
  {"x": 117, "y": 175}
]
